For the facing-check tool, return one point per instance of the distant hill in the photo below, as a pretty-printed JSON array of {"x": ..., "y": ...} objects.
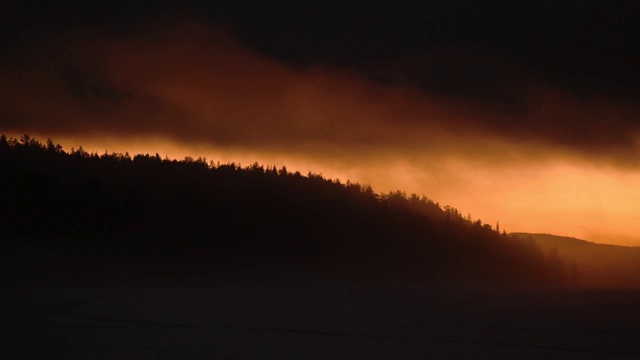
[
  {"x": 601, "y": 265},
  {"x": 564, "y": 242},
  {"x": 79, "y": 218}
]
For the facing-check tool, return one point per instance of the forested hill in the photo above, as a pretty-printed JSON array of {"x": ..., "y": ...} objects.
[{"x": 80, "y": 218}]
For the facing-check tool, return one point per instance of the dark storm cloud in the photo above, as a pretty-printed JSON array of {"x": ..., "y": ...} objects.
[{"x": 367, "y": 84}]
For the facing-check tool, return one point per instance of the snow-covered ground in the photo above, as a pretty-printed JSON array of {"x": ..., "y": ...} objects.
[{"x": 316, "y": 323}]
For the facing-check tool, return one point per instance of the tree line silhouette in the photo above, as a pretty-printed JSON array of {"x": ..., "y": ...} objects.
[{"x": 82, "y": 218}]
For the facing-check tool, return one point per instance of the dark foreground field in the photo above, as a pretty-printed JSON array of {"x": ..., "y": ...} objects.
[{"x": 317, "y": 323}]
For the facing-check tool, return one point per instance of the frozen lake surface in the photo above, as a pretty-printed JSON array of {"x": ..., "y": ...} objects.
[{"x": 316, "y": 323}]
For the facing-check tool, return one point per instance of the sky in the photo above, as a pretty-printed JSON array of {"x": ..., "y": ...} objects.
[{"x": 525, "y": 113}]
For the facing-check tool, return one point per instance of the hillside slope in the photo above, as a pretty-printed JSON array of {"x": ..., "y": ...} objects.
[{"x": 83, "y": 218}]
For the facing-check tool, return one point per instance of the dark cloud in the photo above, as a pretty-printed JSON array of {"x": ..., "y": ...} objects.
[{"x": 185, "y": 81}]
